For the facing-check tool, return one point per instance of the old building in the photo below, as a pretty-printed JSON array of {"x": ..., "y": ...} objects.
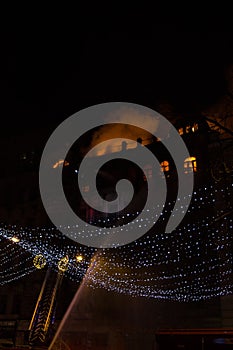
[{"x": 135, "y": 290}]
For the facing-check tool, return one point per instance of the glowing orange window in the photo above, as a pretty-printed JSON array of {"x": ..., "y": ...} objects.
[
  {"x": 164, "y": 166},
  {"x": 190, "y": 165},
  {"x": 147, "y": 172}
]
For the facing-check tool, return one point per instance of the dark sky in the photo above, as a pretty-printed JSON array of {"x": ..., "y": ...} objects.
[{"x": 51, "y": 70}]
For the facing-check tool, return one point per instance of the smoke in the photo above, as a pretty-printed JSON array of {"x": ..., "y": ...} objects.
[{"x": 124, "y": 117}]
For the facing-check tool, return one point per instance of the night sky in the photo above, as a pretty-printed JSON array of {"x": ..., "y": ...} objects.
[{"x": 52, "y": 68}]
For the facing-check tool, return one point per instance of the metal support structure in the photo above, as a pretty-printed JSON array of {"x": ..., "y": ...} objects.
[{"x": 40, "y": 329}]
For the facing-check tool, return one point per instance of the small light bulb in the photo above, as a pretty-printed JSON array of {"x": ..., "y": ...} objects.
[
  {"x": 79, "y": 258},
  {"x": 15, "y": 239}
]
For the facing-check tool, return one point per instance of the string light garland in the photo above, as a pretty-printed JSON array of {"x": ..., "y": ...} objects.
[
  {"x": 63, "y": 264},
  {"x": 39, "y": 261},
  {"x": 194, "y": 262}
]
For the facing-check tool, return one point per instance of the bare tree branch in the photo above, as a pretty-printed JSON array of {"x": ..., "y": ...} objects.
[{"x": 219, "y": 125}]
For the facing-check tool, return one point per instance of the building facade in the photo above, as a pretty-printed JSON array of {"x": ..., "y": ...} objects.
[{"x": 129, "y": 295}]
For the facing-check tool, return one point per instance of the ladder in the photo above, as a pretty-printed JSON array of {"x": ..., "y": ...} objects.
[{"x": 41, "y": 326}]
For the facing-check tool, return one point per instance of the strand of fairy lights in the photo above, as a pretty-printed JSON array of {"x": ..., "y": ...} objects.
[
  {"x": 123, "y": 282},
  {"x": 145, "y": 242},
  {"x": 35, "y": 249}
]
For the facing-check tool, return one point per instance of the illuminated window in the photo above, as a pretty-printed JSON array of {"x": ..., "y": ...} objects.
[
  {"x": 147, "y": 172},
  {"x": 85, "y": 188},
  {"x": 60, "y": 163},
  {"x": 190, "y": 165},
  {"x": 164, "y": 166},
  {"x": 187, "y": 129},
  {"x": 194, "y": 127},
  {"x": 181, "y": 131}
]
